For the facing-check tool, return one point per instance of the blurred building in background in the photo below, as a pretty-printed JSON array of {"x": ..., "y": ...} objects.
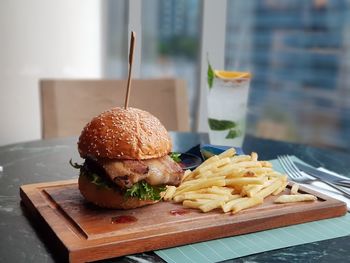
[
  {"x": 171, "y": 43},
  {"x": 178, "y": 19},
  {"x": 299, "y": 53}
]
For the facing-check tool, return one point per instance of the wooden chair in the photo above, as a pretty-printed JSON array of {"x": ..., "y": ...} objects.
[{"x": 67, "y": 105}]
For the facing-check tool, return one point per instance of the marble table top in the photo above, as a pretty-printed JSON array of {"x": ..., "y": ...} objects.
[{"x": 47, "y": 160}]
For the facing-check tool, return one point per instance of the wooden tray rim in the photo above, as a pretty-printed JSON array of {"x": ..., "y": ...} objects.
[{"x": 49, "y": 213}]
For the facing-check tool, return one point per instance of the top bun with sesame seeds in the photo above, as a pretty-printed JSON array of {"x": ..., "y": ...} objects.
[{"x": 124, "y": 134}]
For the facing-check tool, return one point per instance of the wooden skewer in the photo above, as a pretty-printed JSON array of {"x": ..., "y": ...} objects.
[{"x": 131, "y": 58}]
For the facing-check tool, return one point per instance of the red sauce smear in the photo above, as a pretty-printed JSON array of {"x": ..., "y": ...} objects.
[
  {"x": 123, "y": 219},
  {"x": 182, "y": 165},
  {"x": 179, "y": 212}
]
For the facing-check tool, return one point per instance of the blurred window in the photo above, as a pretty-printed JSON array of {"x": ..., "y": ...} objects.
[
  {"x": 170, "y": 42},
  {"x": 299, "y": 54},
  {"x": 115, "y": 33}
]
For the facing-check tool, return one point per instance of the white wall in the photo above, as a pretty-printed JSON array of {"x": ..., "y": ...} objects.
[{"x": 42, "y": 39}]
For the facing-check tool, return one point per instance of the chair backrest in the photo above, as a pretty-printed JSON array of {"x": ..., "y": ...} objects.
[{"x": 67, "y": 105}]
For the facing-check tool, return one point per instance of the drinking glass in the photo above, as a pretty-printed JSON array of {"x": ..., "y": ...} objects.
[{"x": 227, "y": 108}]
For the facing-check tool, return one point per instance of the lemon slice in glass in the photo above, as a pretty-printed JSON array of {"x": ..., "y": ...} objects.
[{"x": 222, "y": 74}]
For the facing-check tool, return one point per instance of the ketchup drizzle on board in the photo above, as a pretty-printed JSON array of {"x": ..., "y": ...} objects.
[
  {"x": 123, "y": 219},
  {"x": 179, "y": 212}
]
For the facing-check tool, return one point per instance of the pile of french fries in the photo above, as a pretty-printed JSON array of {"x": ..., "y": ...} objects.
[{"x": 228, "y": 181}]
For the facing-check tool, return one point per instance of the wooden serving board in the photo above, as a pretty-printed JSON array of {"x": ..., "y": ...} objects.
[{"x": 86, "y": 233}]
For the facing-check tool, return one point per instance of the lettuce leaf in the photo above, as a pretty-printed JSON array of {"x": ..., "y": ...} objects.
[
  {"x": 141, "y": 190},
  {"x": 75, "y": 165},
  {"x": 95, "y": 178},
  {"x": 176, "y": 157},
  {"x": 144, "y": 191}
]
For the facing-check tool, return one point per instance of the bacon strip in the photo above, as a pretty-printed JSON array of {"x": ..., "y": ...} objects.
[{"x": 158, "y": 171}]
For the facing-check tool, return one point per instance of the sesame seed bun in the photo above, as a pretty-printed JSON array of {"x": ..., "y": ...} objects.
[
  {"x": 108, "y": 197},
  {"x": 124, "y": 134}
]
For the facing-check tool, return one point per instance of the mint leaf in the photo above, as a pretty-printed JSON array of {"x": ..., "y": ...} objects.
[
  {"x": 220, "y": 125},
  {"x": 233, "y": 134},
  {"x": 176, "y": 157},
  {"x": 210, "y": 76}
]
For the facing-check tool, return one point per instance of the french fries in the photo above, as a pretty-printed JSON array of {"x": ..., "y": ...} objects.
[
  {"x": 232, "y": 183},
  {"x": 211, "y": 205},
  {"x": 229, "y": 205},
  {"x": 203, "y": 183},
  {"x": 186, "y": 173},
  {"x": 295, "y": 198},
  {"x": 254, "y": 156},
  {"x": 294, "y": 190},
  {"x": 251, "y": 190},
  {"x": 229, "y": 182},
  {"x": 169, "y": 192},
  {"x": 245, "y": 181},
  {"x": 281, "y": 188},
  {"x": 250, "y": 202},
  {"x": 228, "y": 153},
  {"x": 240, "y": 158},
  {"x": 268, "y": 190},
  {"x": 193, "y": 204}
]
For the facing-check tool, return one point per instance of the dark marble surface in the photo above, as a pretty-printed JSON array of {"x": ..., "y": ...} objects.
[{"x": 43, "y": 161}]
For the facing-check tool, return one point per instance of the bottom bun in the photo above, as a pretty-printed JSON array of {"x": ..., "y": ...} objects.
[{"x": 108, "y": 197}]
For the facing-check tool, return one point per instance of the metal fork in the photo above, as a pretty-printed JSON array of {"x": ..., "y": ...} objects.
[{"x": 296, "y": 175}]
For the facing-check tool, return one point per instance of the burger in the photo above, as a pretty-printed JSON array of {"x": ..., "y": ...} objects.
[{"x": 127, "y": 162}]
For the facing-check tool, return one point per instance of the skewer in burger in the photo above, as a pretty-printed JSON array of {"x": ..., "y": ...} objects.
[{"x": 127, "y": 162}]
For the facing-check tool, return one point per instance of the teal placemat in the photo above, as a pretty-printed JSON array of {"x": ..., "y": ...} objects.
[{"x": 243, "y": 245}]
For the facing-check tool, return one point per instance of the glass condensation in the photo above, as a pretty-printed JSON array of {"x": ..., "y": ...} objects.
[{"x": 227, "y": 106}]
